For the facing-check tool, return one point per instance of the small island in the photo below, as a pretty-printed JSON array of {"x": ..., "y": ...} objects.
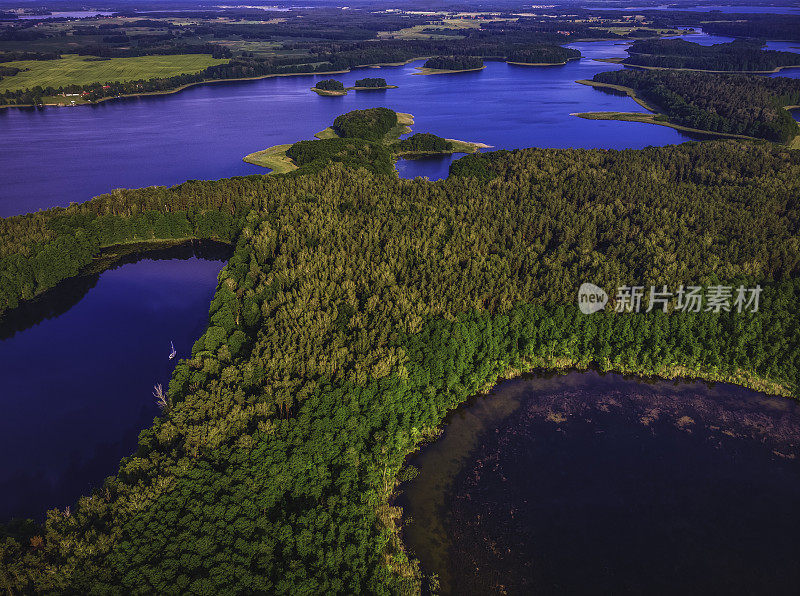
[
  {"x": 332, "y": 87},
  {"x": 373, "y": 132},
  {"x": 370, "y": 84},
  {"x": 329, "y": 87},
  {"x": 451, "y": 64}
]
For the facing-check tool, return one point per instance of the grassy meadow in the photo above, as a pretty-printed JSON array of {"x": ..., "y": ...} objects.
[{"x": 72, "y": 69}]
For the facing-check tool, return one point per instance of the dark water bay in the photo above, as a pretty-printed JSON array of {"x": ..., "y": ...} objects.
[
  {"x": 78, "y": 368},
  {"x": 590, "y": 484}
]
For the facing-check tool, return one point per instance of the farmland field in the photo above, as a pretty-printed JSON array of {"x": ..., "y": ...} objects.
[{"x": 72, "y": 69}]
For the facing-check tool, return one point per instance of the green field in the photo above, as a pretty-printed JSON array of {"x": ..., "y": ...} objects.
[
  {"x": 72, "y": 69},
  {"x": 274, "y": 158}
]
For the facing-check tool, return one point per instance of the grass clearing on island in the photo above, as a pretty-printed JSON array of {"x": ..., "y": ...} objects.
[
  {"x": 72, "y": 69},
  {"x": 274, "y": 158},
  {"x": 404, "y": 124},
  {"x": 327, "y": 133}
]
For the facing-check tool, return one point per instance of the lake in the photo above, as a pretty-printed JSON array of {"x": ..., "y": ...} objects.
[
  {"x": 588, "y": 483},
  {"x": 78, "y": 369},
  {"x": 103, "y": 340},
  {"x": 55, "y": 156}
]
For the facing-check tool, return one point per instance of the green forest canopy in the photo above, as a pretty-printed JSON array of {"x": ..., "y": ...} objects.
[
  {"x": 749, "y": 105},
  {"x": 358, "y": 308},
  {"x": 329, "y": 85},
  {"x": 736, "y": 55},
  {"x": 454, "y": 63}
]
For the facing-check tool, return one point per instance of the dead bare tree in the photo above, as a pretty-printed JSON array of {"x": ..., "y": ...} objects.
[{"x": 161, "y": 397}]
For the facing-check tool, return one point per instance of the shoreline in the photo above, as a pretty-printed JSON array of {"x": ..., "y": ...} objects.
[
  {"x": 477, "y": 414},
  {"x": 560, "y": 366},
  {"x": 435, "y": 71},
  {"x": 211, "y": 81},
  {"x": 643, "y": 67},
  {"x": 341, "y": 92},
  {"x": 651, "y": 117},
  {"x": 274, "y": 158}
]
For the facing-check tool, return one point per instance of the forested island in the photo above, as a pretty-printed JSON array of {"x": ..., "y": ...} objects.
[
  {"x": 334, "y": 87},
  {"x": 734, "y": 56},
  {"x": 247, "y": 43},
  {"x": 372, "y": 83},
  {"x": 359, "y": 308},
  {"x": 746, "y": 105},
  {"x": 447, "y": 64},
  {"x": 361, "y": 138}
]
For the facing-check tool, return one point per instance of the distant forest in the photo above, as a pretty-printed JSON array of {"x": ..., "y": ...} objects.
[
  {"x": 733, "y": 56},
  {"x": 454, "y": 63}
]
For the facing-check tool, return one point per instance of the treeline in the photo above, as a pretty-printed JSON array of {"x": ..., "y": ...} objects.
[
  {"x": 733, "y": 56},
  {"x": 234, "y": 69},
  {"x": 422, "y": 142},
  {"x": 543, "y": 54},
  {"x": 14, "y": 56},
  {"x": 737, "y": 104},
  {"x": 357, "y": 310},
  {"x": 454, "y": 62}
]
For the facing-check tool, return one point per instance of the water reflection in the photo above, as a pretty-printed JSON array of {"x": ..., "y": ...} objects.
[
  {"x": 599, "y": 484},
  {"x": 78, "y": 368}
]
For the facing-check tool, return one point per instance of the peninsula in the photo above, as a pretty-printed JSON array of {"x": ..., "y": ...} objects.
[{"x": 376, "y": 131}]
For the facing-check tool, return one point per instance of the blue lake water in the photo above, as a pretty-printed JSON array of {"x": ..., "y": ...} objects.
[
  {"x": 78, "y": 370},
  {"x": 102, "y": 341},
  {"x": 597, "y": 484},
  {"x": 55, "y": 156}
]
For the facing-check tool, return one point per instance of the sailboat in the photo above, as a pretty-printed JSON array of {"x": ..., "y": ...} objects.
[{"x": 173, "y": 352}]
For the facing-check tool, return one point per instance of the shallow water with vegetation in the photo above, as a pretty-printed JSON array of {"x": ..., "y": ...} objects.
[{"x": 588, "y": 483}]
